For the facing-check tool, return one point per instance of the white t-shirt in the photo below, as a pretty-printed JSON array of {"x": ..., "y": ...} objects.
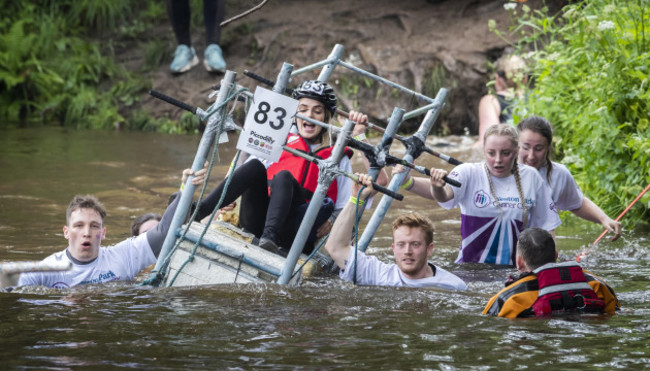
[
  {"x": 564, "y": 189},
  {"x": 371, "y": 271},
  {"x": 119, "y": 262},
  {"x": 490, "y": 234}
]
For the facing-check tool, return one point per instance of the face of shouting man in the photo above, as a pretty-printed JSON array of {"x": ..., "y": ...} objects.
[{"x": 84, "y": 233}]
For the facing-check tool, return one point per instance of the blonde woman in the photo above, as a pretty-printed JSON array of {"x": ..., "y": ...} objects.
[{"x": 493, "y": 212}]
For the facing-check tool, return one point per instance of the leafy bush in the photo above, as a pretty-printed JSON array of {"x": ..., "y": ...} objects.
[
  {"x": 56, "y": 66},
  {"x": 590, "y": 65}
]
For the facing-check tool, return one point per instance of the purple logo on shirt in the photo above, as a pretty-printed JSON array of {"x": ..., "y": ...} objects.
[{"x": 481, "y": 199}]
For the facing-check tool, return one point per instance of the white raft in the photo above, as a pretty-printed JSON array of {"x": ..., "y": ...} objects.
[{"x": 226, "y": 255}]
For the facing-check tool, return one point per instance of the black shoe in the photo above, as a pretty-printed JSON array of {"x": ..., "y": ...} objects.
[{"x": 268, "y": 245}]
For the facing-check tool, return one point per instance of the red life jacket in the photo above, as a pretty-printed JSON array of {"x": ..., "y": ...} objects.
[
  {"x": 563, "y": 287},
  {"x": 305, "y": 172}
]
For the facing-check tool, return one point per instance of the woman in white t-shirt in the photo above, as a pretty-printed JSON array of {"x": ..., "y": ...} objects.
[
  {"x": 536, "y": 147},
  {"x": 490, "y": 198}
]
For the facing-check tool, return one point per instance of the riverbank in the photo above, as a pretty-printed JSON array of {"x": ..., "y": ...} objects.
[{"x": 423, "y": 45}]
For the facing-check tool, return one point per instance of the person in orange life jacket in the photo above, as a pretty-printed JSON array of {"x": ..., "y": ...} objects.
[
  {"x": 510, "y": 79},
  {"x": 275, "y": 196},
  {"x": 546, "y": 287}
]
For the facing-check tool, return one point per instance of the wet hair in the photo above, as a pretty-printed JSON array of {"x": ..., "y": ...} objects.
[
  {"x": 536, "y": 246},
  {"x": 541, "y": 126},
  {"x": 85, "y": 202},
  {"x": 511, "y": 68},
  {"x": 139, "y": 221},
  {"x": 416, "y": 220},
  {"x": 507, "y": 130}
]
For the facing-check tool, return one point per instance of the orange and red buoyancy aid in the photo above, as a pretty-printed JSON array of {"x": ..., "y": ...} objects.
[
  {"x": 305, "y": 172},
  {"x": 563, "y": 287},
  {"x": 551, "y": 289}
]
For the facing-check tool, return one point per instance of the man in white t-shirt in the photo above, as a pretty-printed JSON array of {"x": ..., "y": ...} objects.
[
  {"x": 92, "y": 263},
  {"x": 412, "y": 245}
]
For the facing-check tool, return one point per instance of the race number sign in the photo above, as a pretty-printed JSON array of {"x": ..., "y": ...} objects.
[{"x": 267, "y": 124}]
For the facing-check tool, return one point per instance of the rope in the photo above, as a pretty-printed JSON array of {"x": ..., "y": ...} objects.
[
  {"x": 207, "y": 225},
  {"x": 357, "y": 218}
]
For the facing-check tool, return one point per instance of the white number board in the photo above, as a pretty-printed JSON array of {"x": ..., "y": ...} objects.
[{"x": 267, "y": 124}]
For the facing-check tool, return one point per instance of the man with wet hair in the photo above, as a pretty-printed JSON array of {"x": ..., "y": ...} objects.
[
  {"x": 412, "y": 245},
  {"x": 92, "y": 263},
  {"x": 545, "y": 287}
]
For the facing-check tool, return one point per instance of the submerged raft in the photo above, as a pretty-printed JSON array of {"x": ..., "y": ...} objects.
[{"x": 226, "y": 254}]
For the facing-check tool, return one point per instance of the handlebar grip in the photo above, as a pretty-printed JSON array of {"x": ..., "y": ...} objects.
[
  {"x": 453, "y": 161},
  {"x": 259, "y": 78},
  {"x": 442, "y": 156},
  {"x": 173, "y": 101},
  {"x": 387, "y": 192},
  {"x": 264, "y": 80},
  {"x": 452, "y": 182}
]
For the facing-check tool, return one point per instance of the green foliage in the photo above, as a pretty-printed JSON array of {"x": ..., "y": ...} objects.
[
  {"x": 156, "y": 53},
  {"x": 99, "y": 14},
  {"x": 188, "y": 123},
  {"x": 349, "y": 85},
  {"x": 590, "y": 64},
  {"x": 56, "y": 67}
]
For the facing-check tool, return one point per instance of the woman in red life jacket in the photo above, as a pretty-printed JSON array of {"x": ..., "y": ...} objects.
[
  {"x": 546, "y": 287},
  {"x": 536, "y": 149},
  {"x": 275, "y": 195}
]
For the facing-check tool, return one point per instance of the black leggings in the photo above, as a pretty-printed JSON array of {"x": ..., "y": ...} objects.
[
  {"x": 249, "y": 182},
  {"x": 214, "y": 11},
  {"x": 276, "y": 217}
]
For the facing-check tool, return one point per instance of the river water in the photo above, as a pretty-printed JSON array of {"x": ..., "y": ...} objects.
[{"x": 323, "y": 324}]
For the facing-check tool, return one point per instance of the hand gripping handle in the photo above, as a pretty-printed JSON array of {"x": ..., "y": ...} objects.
[
  {"x": 387, "y": 192},
  {"x": 447, "y": 180}
]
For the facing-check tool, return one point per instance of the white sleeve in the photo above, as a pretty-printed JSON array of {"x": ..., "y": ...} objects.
[
  {"x": 367, "y": 268},
  {"x": 30, "y": 279},
  {"x": 566, "y": 193},
  {"x": 544, "y": 214},
  {"x": 134, "y": 254},
  {"x": 343, "y": 184}
]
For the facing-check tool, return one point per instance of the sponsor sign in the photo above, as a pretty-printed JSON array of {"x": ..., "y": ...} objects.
[{"x": 267, "y": 124}]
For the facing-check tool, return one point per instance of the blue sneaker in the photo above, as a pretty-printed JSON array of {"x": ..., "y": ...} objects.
[
  {"x": 214, "y": 61},
  {"x": 184, "y": 59}
]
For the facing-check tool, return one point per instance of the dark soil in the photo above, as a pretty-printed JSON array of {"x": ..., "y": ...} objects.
[{"x": 423, "y": 45}]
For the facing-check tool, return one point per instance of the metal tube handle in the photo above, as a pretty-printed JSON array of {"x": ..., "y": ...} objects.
[
  {"x": 173, "y": 101},
  {"x": 425, "y": 171},
  {"x": 387, "y": 192}
]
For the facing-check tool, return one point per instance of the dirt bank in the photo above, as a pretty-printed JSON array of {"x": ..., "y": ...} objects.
[{"x": 423, "y": 45}]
